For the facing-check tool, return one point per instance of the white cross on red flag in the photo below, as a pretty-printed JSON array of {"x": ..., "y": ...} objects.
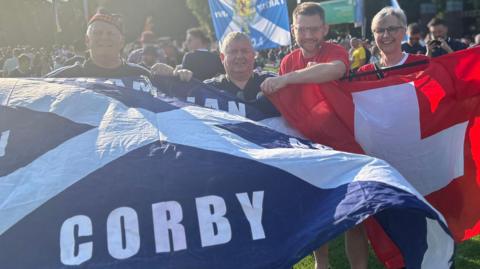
[{"x": 426, "y": 124}]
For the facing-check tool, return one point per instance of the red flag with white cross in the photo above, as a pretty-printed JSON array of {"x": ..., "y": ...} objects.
[{"x": 426, "y": 125}]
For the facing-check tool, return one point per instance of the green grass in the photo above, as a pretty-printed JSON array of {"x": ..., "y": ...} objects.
[{"x": 467, "y": 256}]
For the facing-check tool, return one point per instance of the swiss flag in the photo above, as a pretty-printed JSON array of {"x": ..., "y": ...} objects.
[{"x": 426, "y": 124}]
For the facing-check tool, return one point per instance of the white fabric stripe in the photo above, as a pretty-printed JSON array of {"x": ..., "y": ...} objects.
[
  {"x": 64, "y": 100},
  {"x": 233, "y": 26},
  {"x": 120, "y": 131},
  {"x": 280, "y": 125},
  {"x": 3, "y": 142},
  {"x": 332, "y": 164},
  {"x": 436, "y": 257},
  {"x": 387, "y": 126},
  {"x": 272, "y": 31},
  {"x": 9, "y": 85}
]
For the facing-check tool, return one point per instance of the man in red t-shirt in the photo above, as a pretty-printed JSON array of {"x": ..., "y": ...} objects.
[{"x": 316, "y": 62}]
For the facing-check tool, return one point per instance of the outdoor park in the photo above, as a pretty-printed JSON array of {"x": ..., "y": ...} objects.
[{"x": 239, "y": 134}]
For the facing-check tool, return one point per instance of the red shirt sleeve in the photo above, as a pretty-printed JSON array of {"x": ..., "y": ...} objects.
[{"x": 335, "y": 52}]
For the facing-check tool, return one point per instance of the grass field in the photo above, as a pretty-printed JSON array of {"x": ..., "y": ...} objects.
[{"x": 467, "y": 256}]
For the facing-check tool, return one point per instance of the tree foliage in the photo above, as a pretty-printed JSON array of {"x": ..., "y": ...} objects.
[{"x": 201, "y": 11}]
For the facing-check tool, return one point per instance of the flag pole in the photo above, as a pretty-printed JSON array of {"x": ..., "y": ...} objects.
[
  {"x": 85, "y": 10},
  {"x": 352, "y": 75}
]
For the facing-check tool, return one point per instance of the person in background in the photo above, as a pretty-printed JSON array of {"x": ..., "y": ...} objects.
[
  {"x": 79, "y": 53},
  {"x": 23, "y": 70},
  {"x": 147, "y": 40},
  {"x": 203, "y": 63},
  {"x": 317, "y": 61},
  {"x": 388, "y": 27},
  {"x": 173, "y": 55},
  {"x": 375, "y": 58},
  {"x": 149, "y": 57},
  {"x": 12, "y": 62},
  {"x": 440, "y": 43},
  {"x": 476, "y": 41},
  {"x": 466, "y": 40},
  {"x": 357, "y": 56},
  {"x": 413, "y": 46}
]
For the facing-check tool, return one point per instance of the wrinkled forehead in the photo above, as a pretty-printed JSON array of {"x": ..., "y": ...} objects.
[
  {"x": 308, "y": 20},
  {"x": 239, "y": 43},
  {"x": 387, "y": 21},
  {"x": 439, "y": 28},
  {"x": 103, "y": 26}
]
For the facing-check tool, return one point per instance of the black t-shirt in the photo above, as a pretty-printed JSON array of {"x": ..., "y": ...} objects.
[
  {"x": 415, "y": 49},
  {"x": 454, "y": 44},
  {"x": 73, "y": 60},
  {"x": 89, "y": 69},
  {"x": 203, "y": 64},
  {"x": 252, "y": 92}
]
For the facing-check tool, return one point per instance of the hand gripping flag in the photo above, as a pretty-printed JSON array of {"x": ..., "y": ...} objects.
[
  {"x": 426, "y": 125},
  {"x": 265, "y": 21},
  {"x": 99, "y": 174}
]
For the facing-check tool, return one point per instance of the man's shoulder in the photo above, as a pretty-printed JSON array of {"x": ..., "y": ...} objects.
[
  {"x": 456, "y": 44},
  {"x": 405, "y": 45},
  {"x": 75, "y": 70},
  {"x": 136, "y": 51},
  {"x": 136, "y": 69},
  {"x": 294, "y": 53}
]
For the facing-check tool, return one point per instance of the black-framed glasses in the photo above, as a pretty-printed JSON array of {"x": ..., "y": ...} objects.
[
  {"x": 389, "y": 30},
  {"x": 304, "y": 29}
]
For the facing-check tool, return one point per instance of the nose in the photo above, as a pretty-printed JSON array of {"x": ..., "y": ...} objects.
[
  {"x": 385, "y": 33},
  {"x": 308, "y": 33}
]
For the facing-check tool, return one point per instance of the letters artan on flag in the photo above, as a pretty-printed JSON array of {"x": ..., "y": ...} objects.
[
  {"x": 265, "y": 21},
  {"x": 98, "y": 173},
  {"x": 426, "y": 125}
]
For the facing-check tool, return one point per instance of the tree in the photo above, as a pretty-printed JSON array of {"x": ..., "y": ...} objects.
[{"x": 201, "y": 11}]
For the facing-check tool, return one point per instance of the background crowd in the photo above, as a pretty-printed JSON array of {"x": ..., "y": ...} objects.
[{"x": 28, "y": 61}]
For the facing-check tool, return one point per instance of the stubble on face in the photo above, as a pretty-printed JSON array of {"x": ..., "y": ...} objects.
[{"x": 309, "y": 32}]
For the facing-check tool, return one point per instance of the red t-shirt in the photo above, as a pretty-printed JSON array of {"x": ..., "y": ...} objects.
[
  {"x": 328, "y": 53},
  {"x": 402, "y": 71},
  {"x": 306, "y": 106}
]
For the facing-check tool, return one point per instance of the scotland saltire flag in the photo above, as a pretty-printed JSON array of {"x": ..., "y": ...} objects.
[
  {"x": 97, "y": 173},
  {"x": 265, "y": 21}
]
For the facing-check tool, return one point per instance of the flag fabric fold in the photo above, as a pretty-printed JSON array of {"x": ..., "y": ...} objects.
[{"x": 266, "y": 22}]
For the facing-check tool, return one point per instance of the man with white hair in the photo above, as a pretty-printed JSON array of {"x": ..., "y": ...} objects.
[
  {"x": 238, "y": 58},
  {"x": 105, "y": 40},
  {"x": 388, "y": 28}
]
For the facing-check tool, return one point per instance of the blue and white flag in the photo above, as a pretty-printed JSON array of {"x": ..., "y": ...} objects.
[
  {"x": 98, "y": 173},
  {"x": 265, "y": 21}
]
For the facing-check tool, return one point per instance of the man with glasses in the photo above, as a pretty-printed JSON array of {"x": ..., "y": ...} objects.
[
  {"x": 413, "y": 45},
  {"x": 388, "y": 27},
  {"x": 317, "y": 61}
]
